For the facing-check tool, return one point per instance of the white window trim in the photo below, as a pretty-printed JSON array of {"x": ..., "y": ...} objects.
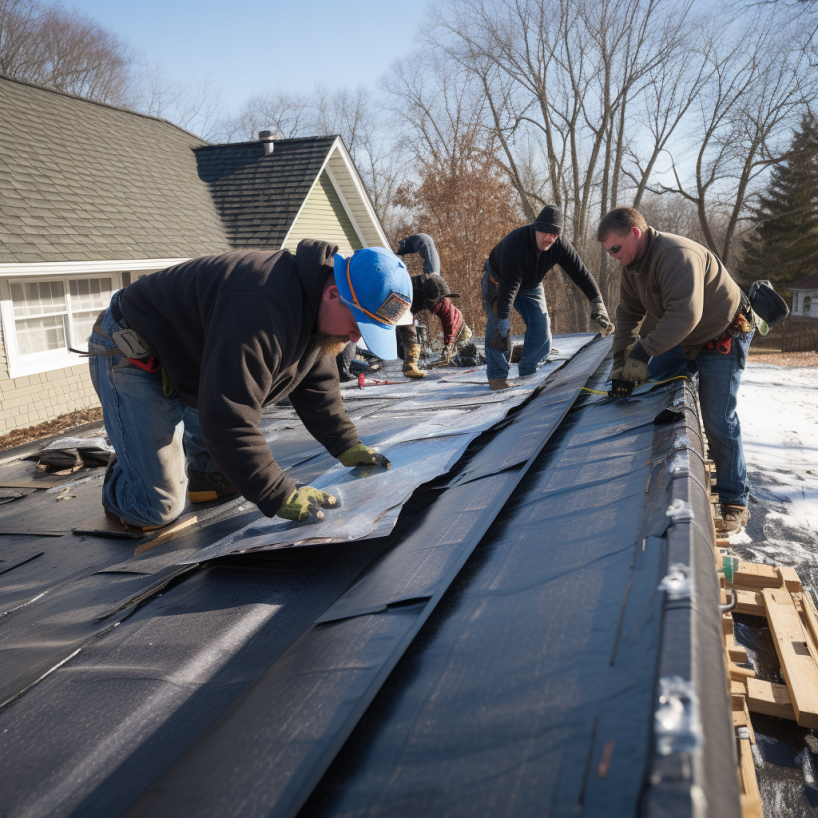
[{"x": 59, "y": 359}]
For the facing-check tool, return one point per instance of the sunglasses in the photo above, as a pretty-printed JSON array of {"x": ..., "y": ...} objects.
[{"x": 615, "y": 249}]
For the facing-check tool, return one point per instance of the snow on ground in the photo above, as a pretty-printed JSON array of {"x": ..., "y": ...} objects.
[{"x": 778, "y": 410}]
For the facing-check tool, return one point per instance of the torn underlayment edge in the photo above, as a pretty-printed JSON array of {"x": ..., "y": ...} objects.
[{"x": 371, "y": 498}]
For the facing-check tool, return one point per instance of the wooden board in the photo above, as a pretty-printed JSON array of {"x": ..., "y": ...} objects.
[
  {"x": 769, "y": 698},
  {"x": 749, "y": 602},
  {"x": 790, "y": 579},
  {"x": 756, "y": 575},
  {"x": 790, "y": 642}
]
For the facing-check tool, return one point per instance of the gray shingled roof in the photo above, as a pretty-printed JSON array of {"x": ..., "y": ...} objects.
[
  {"x": 259, "y": 196},
  {"x": 84, "y": 181}
]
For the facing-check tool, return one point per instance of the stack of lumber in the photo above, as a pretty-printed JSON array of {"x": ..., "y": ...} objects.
[{"x": 776, "y": 594}]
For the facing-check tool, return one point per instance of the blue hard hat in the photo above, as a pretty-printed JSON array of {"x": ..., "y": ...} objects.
[{"x": 375, "y": 284}]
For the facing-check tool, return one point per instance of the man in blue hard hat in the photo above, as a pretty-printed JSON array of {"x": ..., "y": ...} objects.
[{"x": 185, "y": 360}]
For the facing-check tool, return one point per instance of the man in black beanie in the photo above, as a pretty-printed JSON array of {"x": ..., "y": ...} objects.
[{"x": 513, "y": 275}]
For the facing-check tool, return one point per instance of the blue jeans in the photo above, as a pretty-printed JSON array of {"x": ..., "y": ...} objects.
[
  {"x": 154, "y": 436},
  {"x": 719, "y": 381},
  {"x": 531, "y": 305}
]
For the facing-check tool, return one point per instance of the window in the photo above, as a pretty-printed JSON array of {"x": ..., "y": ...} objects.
[
  {"x": 47, "y": 308},
  {"x": 805, "y": 310},
  {"x": 55, "y": 314}
]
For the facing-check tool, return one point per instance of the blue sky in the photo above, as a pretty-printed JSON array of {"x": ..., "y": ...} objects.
[{"x": 249, "y": 46}]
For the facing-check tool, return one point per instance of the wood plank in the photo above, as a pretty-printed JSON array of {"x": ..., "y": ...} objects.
[
  {"x": 727, "y": 623},
  {"x": 811, "y": 615},
  {"x": 790, "y": 641},
  {"x": 749, "y": 602},
  {"x": 740, "y": 674},
  {"x": 737, "y": 654},
  {"x": 757, "y": 575},
  {"x": 769, "y": 698},
  {"x": 738, "y": 688},
  {"x": 789, "y": 578},
  {"x": 748, "y": 771}
]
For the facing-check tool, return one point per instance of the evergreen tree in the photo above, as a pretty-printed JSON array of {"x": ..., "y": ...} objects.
[{"x": 783, "y": 245}]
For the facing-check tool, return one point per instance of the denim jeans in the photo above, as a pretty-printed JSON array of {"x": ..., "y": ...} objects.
[
  {"x": 531, "y": 305},
  {"x": 154, "y": 436},
  {"x": 719, "y": 381}
]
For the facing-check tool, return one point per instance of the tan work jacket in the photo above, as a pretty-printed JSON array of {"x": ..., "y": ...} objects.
[{"x": 683, "y": 288}]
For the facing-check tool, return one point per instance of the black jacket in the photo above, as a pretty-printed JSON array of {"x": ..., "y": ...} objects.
[
  {"x": 518, "y": 264},
  {"x": 234, "y": 332}
]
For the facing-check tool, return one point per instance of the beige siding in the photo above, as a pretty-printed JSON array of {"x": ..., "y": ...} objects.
[
  {"x": 351, "y": 193},
  {"x": 323, "y": 217},
  {"x": 37, "y": 398}
]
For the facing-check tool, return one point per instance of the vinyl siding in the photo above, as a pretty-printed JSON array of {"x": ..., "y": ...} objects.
[{"x": 323, "y": 217}]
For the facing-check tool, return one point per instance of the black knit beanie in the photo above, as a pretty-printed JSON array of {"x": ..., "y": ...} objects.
[{"x": 549, "y": 220}]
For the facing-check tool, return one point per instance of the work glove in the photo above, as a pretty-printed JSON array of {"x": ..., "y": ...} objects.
[
  {"x": 636, "y": 365},
  {"x": 304, "y": 505},
  {"x": 500, "y": 339},
  {"x": 363, "y": 455},
  {"x": 600, "y": 315}
]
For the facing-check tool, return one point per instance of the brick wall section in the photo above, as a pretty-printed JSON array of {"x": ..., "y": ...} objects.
[{"x": 37, "y": 398}]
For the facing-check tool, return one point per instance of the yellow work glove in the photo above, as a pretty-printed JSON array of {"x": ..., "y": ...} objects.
[
  {"x": 362, "y": 455},
  {"x": 304, "y": 505}
]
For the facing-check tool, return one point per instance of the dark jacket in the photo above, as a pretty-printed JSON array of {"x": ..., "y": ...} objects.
[
  {"x": 234, "y": 332},
  {"x": 518, "y": 264}
]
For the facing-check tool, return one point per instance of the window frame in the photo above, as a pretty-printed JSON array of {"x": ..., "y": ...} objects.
[{"x": 23, "y": 365}]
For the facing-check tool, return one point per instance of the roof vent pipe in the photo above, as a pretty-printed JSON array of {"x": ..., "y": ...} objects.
[{"x": 267, "y": 138}]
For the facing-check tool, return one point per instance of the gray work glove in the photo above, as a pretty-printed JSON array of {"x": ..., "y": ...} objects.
[
  {"x": 600, "y": 315},
  {"x": 500, "y": 339}
]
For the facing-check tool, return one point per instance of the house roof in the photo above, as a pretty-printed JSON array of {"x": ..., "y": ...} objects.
[
  {"x": 85, "y": 181},
  {"x": 80, "y": 180},
  {"x": 808, "y": 283},
  {"x": 446, "y": 668},
  {"x": 258, "y": 196}
]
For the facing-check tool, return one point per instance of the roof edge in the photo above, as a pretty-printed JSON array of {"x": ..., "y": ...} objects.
[
  {"x": 3, "y": 76},
  {"x": 222, "y": 145}
]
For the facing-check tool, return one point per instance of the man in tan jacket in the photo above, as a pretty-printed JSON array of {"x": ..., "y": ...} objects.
[{"x": 700, "y": 324}]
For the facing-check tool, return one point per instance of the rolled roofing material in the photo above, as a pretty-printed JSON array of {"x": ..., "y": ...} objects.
[{"x": 280, "y": 737}]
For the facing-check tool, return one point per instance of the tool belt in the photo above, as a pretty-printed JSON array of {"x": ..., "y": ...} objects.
[
  {"x": 128, "y": 341},
  {"x": 741, "y": 323}
]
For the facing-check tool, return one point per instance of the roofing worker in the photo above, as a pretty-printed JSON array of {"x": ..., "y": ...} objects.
[
  {"x": 234, "y": 333},
  {"x": 702, "y": 324},
  {"x": 430, "y": 292},
  {"x": 513, "y": 275}
]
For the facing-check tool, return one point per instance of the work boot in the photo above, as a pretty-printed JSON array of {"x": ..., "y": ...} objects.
[
  {"x": 410, "y": 362},
  {"x": 499, "y": 383},
  {"x": 733, "y": 519},
  {"x": 130, "y": 526},
  {"x": 204, "y": 486}
]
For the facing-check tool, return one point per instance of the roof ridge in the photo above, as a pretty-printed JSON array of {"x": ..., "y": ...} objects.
[
  {"x": 19, "y": 81},
  {"x": 207, "y": 145}
]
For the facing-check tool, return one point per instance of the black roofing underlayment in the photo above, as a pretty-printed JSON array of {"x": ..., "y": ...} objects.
[{"x": 500, "y": 653}]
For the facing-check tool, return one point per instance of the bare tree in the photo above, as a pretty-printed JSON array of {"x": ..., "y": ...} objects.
[
  {"x": 760, "y": 84},
  {"x": 64, "y": 50},
  {"x": 196, "y": 108}
]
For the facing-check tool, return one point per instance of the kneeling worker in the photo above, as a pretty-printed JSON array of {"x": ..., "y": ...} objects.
[
  {"x": 430, "y": 292},
  {"x": 703, "y": 324},
  {"x": 513, "y": 275},
  {"x": 185, "y": 360}
]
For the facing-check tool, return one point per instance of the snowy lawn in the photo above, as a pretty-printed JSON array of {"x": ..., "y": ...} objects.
[{"x": 778, "y": 409}]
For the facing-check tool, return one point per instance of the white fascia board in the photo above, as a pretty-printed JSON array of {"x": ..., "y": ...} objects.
[
  {"x": 43, "y": 268},
  {"x": 309, "y": 193},
  {"x": 345, "y": 205},
  {"x": 361, "y": 190}
]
